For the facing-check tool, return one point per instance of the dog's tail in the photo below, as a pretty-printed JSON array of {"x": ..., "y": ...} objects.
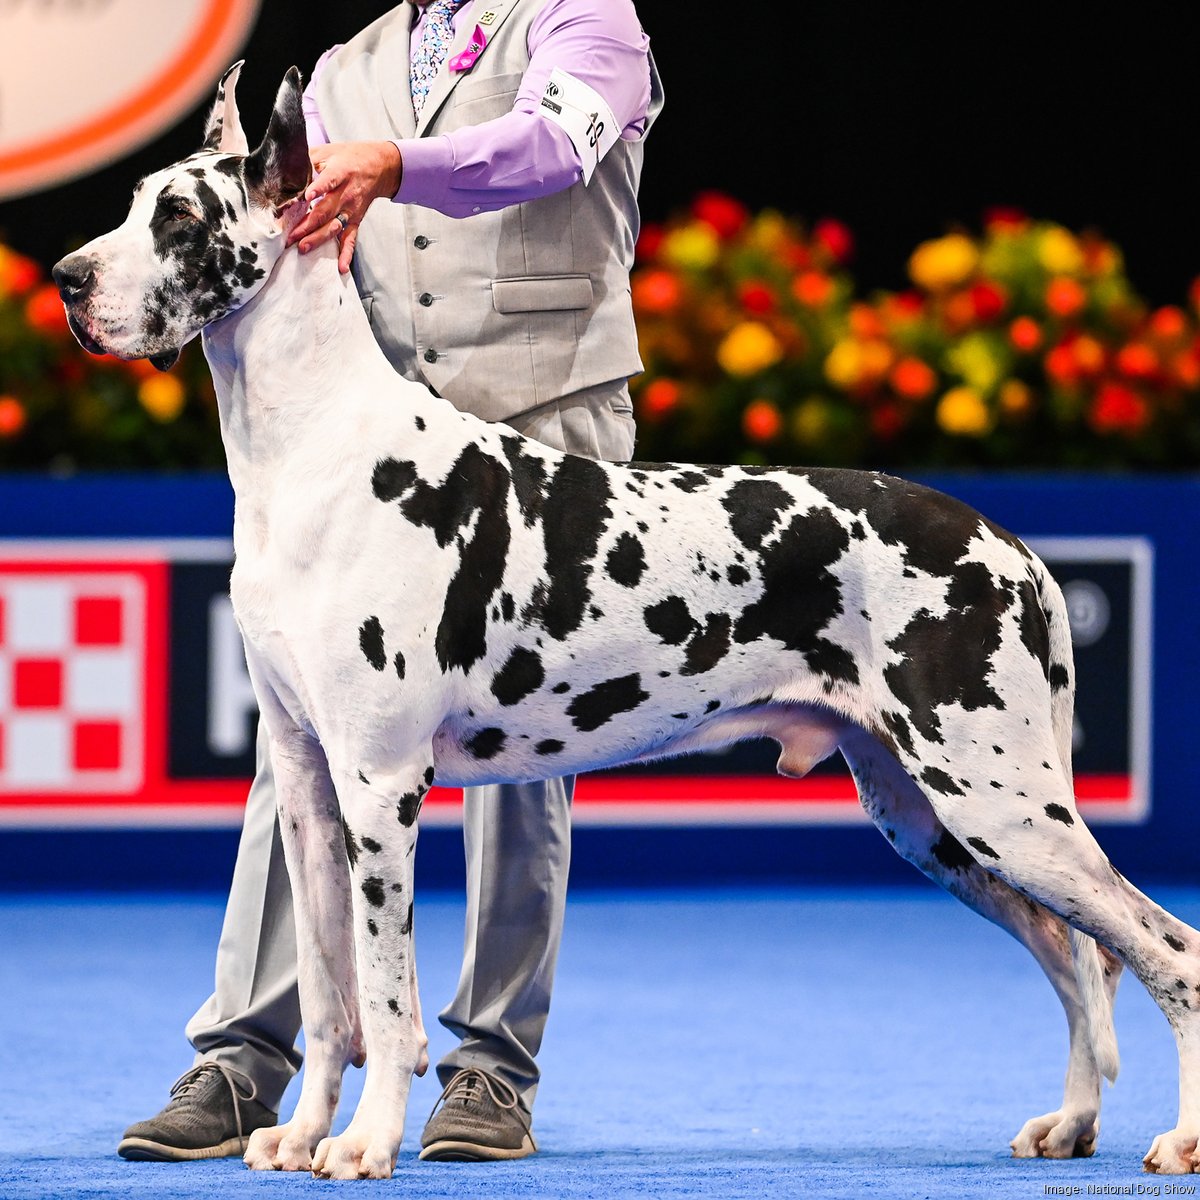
[{"x": 1087, "y": 957}]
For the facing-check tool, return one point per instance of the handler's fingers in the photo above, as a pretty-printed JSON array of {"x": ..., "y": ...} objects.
[
  {"x": 346, "y": 253},
  {"x": 326, "y": 231}
]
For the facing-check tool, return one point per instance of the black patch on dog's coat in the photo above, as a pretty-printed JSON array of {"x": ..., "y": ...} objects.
[
  {"x": 1056, "y": 812},
  {"x": 982, "y": 847},
  {"x": 522, "y": 675},
  {"x": 941, "y": 782},
  {"x": 549, "y": 746},
  {"x": 707, "y": 646},
  {"x": 754, "y": 507},
  {"x": 370, "y": 639},
  {"x": 670, "y": 621},
  {"x": 627, "y": 560},
  {"x": 407, "y": 808},
  {"x": 487, "y": 743},
  {"x": 529, "y": 479},
  {"x": 951, "y": 853},
  {"x": 574, "y": 514},
  {"x": 372, "y": 889},
  {"x": 598, "y": 705}
]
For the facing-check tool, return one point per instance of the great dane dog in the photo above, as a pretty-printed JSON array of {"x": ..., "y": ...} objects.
[{"x": 426, "y": 596}]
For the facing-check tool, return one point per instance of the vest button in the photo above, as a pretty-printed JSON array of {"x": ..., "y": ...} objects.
[
  {"x": 425, "y": 299},
  {"x": 430, "y": 355},
  {"x": 420, "y": 241}
]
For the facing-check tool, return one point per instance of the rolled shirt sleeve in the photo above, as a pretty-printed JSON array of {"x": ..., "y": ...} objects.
[{"x": 522, "y": 155}]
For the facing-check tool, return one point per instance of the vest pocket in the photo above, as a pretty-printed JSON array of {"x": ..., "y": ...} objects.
[{"x": 542, "y": 293}]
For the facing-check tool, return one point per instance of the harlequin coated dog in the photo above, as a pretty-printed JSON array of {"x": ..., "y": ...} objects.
[{"x": 423, "y": 595}]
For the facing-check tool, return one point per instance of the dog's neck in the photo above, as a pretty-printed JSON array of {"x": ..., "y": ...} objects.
[{"x": 281, "y": 364}]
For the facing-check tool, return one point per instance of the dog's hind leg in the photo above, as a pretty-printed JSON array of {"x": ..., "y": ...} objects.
[
  {"x": 379, "y": 808},
  {"x": 905, "y": 817},
  {"x": 315, "y": 851},
  {"x": 1016, "y": 816}
]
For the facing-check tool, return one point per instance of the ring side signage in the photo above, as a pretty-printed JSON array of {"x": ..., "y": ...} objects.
[
  {"x": 124, "y": 700},
  {"x": 86, "y": 82}
]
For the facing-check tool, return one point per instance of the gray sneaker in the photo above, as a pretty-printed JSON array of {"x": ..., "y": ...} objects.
[
  {"x": 480, "y": 1120},
  {"x": 211, "y": 1114}
]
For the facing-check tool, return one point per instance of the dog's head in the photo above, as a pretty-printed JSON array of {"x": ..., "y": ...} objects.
[{"x": 200, "y": 239}]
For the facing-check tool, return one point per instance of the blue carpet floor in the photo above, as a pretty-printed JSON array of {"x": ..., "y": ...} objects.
[{"x": 745, "y": 1044}]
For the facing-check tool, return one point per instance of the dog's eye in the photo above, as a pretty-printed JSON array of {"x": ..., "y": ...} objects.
[{"x": 179, "y": 211}]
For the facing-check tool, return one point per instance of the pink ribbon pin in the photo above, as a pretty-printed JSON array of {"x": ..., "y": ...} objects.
[{"x": 465, "y": 60}]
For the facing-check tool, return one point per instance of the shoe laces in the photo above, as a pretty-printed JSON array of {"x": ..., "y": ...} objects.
[
  {"x": 192, "y": 1080},
  {"x": 469, "y": 1085}
]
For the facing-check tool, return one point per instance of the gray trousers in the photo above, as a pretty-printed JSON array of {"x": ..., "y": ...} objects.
[{"x": 518, "y": 849}]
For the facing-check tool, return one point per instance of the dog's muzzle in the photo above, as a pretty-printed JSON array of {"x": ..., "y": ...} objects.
[{"x": 75, "y": 277}]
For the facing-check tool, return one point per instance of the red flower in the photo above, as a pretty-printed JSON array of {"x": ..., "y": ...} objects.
[
  {"x": 1118, "y": 409},
  {"x": 1169, "y": 323},
  {"x": 1002, "y": 217},
  {"x": 1065, "y": 296},
  {"x": 913, "y": 379},
  {"x": 887, "y": 421},
  {"x": 660, "y": 398},
  {"x": 756, "y": 297},
  {"x": 988, "y": 299},
  {"x": 12, "y": 416},
  {"x": 1061, "y": 365},
  {"x": 835, "y": 239},
  {"x": 812, "y": 288},
  {"x": 44, "y": 311},
  {"x": 656, "y": 291},
  {"x": 761, "y": 421},
  {"x": 1025, "y": 334},
  {"x": 723, "y": 213},
  {"x": 649, "y": 240}
]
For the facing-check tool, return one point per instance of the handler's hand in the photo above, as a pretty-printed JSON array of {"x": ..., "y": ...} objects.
[{"x": 349, "y": 175}]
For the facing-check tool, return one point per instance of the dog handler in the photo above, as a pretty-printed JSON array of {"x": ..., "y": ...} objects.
[{"x": 526, "y": 117}]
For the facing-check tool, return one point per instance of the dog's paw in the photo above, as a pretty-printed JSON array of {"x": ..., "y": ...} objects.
[
  {"x": 1173, "y": 1153},
  {"x": 281, "y": 1148},
  {"x": 353, "y": 1155},
  {"x": 1058, "y": 1135}
]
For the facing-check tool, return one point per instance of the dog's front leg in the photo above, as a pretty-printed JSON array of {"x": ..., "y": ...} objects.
[
  {"x": 310, "y": 827},
  {"x": 380, "y": 816}
]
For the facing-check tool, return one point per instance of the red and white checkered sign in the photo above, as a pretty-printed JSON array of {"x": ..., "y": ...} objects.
[{"x": 72, "y": 681}]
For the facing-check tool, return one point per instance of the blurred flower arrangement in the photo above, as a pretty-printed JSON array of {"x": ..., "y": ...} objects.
[
  {"x": 61, "y": 408},
  {"x": 1024, "y": 346}
]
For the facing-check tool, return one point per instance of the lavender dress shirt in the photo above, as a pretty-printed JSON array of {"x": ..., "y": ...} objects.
[{"x": 522, "y": 156}]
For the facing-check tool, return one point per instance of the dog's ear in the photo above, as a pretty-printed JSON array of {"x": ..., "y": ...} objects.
[
  {"x": 279, "y": 170},
  {"x": 224, "y": 129}
]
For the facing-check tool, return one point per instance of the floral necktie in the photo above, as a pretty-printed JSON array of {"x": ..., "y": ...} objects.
[{"x": 436, "y": 35}]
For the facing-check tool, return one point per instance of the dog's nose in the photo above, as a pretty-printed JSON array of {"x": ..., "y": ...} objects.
[{"x": 75, "y": 276}]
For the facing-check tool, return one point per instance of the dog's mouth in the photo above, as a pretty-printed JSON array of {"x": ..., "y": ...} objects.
[{"x": 82, "y": 336}]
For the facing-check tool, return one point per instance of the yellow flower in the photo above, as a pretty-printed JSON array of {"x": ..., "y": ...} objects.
[
  {"x": 964, "y": 412},
  {"x": 748, "y": 348},
  {"x": 811, "y": 421},
  {"x": 1058, "y": 251},
  {"x": 769, "y": 231},
  {"x": 162, "y": 396},
  {"x": 943, "y": 263},
  {"x": 694, "y": 246},
  {"x": 845, "y": 366},
  {"x": 975, "y": 359}
]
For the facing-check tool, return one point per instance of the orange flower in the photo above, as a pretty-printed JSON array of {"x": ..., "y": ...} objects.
[
  {"x": 1118, "y": 409},
  {"x": 1015, "y": 398},
  {"x": 1169, "y": 323},
  {"x": 1137, "y": 361},
  {"x": 813, "y": 289},
  {"x": 913, "y": 379},
  {"x": 1185, "y": 367},
  {"x": 18, "y": 274},
  {"x": 1088, "y": 354},
  {"x": 1025, "y": 334},
  {"x": 865, "y": 322},
  {"x": 659, "y": 399},
  {"x": 12, "y": 417},
  {"x": 761, "y": 421},
  {"x": 163, "y": 397},
  {"x": 44, "y": 311},
  {"x": 656, "y": 292},
  {"x": 1065, "y": 296},
  {"x": 1061, "y": 366}
]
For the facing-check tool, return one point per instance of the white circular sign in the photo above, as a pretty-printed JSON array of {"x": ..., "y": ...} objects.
[
  {"x": 83, "y": 82},
  {"x": 1088, "y": 611}
]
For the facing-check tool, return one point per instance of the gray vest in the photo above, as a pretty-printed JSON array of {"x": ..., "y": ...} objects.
[{"x": 503, "y": 311}]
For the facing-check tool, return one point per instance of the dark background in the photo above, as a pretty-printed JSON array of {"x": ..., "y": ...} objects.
[{"x": 900, "y": 119}]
